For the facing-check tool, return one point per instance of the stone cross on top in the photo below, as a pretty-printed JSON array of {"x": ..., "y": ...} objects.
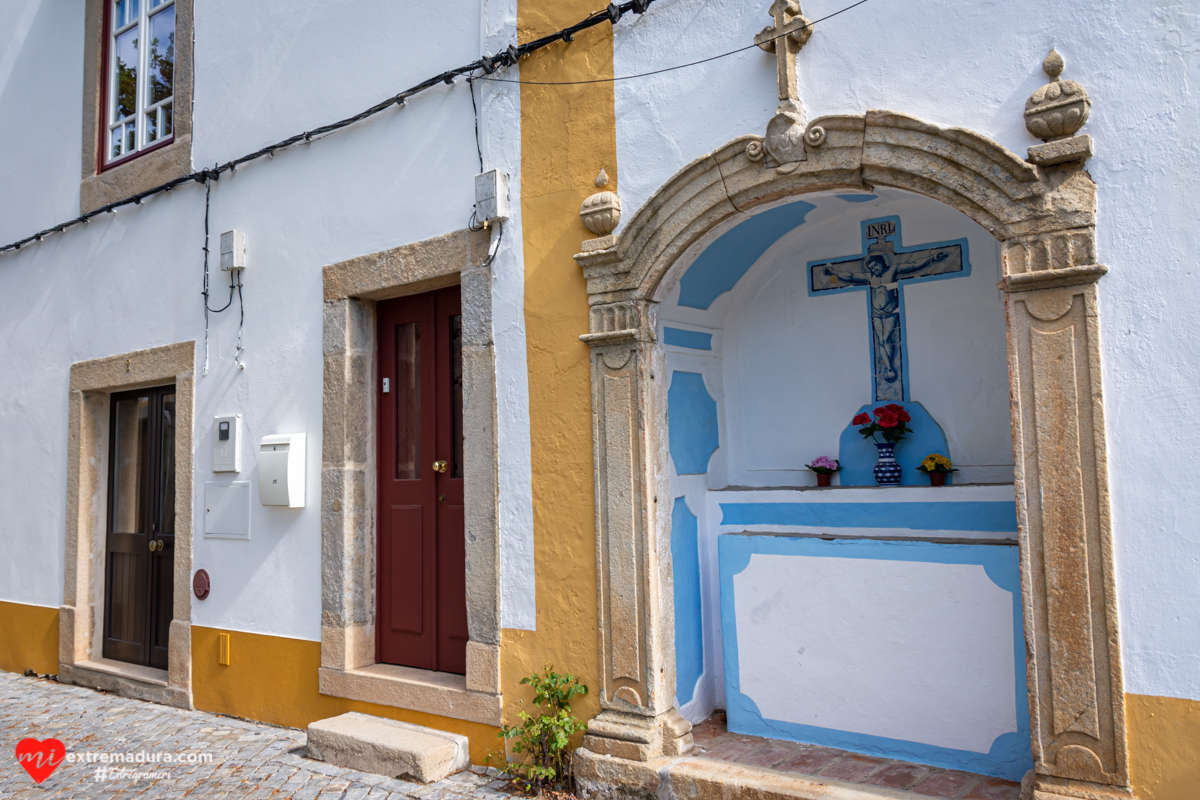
[
  {"x": 785, "y": 38},
  {"x": 879, "y": 270}
]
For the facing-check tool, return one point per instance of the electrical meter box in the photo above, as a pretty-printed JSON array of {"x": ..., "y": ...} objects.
[
  {"x": 281, "y": 470},
  {"x": 227, "y": 443},
  {"x": 491, "y": 196}
]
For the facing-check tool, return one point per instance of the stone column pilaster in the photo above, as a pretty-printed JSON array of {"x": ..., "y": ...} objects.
[
  {"x": 1076, "y": 694},
  {"x": 637, "y": 664}
]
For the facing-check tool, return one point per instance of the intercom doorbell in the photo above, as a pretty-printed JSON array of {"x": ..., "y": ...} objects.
[{"x": 227, "y": 439}]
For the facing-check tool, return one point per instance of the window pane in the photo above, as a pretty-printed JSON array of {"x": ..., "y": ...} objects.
[
  {"x": 408, "y": 400},
  {"x": 133, "y": 10},
  {"x": 152, "y": 125},
  {"x": 162, "y": 55},
  {"x": 119, "y": 18},
  {"x": 130, "y": 137},
  {"x": 456, "y": 393},
  {"x": 126, "y": 65},
  {"x": 167, "y": 121},
  {"x": 114, "y": 137},
  {"x": 167, "y": 469},
  {"x": 130, "y": 461}
]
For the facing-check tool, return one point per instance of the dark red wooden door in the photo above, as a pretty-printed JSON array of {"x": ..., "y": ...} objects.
[{"x": 421, "y": 568}]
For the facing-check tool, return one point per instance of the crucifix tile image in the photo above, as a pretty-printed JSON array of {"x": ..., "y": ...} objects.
[{"x": 879, "y": 270}]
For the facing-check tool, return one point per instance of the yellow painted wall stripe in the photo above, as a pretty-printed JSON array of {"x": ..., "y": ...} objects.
[{"x": 568, "y": 133}]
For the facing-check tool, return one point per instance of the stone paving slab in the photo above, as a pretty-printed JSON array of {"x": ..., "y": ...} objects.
[{"x": 241, "y": 759}]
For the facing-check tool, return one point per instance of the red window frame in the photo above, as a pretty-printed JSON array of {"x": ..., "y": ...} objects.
[{"x": 102, "y": 162}]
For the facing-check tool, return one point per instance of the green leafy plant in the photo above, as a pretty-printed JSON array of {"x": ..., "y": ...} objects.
[{"x": 541, "y": 744}]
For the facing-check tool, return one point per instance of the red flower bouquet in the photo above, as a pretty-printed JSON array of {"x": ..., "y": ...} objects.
[{"x": 890, "y": 422}]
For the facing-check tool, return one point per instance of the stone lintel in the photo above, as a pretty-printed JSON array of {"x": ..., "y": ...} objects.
[{"x": 1077, "y": 148}]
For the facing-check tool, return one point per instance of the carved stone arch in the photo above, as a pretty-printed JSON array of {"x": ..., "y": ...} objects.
[{"x": 1044, "y": 218}]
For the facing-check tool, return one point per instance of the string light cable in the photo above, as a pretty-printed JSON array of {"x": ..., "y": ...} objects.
[{"x": 487, "y": 65}]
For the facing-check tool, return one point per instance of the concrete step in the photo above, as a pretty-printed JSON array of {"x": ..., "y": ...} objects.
[{"x": 386, "y": 747}]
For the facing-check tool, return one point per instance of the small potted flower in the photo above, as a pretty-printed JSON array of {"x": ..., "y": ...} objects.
[
  {"x": 891, "y": 423},
  {"x": 937, "y": 467},
  {"x": 824, "y": 466}
]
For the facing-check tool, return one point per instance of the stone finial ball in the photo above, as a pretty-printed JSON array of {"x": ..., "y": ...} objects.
[
  {"x": 601, "y": 212},
  {"x": 1058, "y": 109}
]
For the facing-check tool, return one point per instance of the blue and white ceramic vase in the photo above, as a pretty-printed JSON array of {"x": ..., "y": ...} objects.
[{"x": 887, "y": 471}]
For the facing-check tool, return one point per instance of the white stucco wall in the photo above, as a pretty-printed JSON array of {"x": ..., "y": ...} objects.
[
  {"x": 973, "y": 66},
  {"x": 132, "y": 280}
]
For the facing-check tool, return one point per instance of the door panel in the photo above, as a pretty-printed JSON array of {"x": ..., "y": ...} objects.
[
  {"x": 407, "y": 557},
  {"x": 421, "y": 549},
  {"x": 139, "y": 581}
]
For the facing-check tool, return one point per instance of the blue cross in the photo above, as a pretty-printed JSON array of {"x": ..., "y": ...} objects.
[{"x": 879, "y": 269}]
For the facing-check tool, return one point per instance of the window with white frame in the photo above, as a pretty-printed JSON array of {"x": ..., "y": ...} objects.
[{"x": 140, "y": 76}]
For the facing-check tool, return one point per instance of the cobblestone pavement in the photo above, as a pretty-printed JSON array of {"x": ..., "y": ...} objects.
[{"x": 248, "y": 759}]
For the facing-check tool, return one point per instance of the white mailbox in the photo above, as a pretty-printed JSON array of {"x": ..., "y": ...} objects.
[{"x": 281, "y": 470}]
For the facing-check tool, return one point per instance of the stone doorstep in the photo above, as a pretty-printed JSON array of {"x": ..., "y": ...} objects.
[
  {"x": 698, "y": 778},
  {"x": 387, "y": 747}
]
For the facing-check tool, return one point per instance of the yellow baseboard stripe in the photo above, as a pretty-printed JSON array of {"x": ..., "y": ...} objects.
[
  {"x": 274, "y": 679},
  {"x": 28, "y": 638},
  {"x": 1164, "y": 746}
]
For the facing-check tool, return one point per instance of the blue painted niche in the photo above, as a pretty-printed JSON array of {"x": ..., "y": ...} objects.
[
  {"x": 858, "y": 455},
  {"x": 691, "y": 423},
  {"x": 689, "y": 633},
  {"x": 1010, "y": 755},
  {"x": 725, "y": 261}
]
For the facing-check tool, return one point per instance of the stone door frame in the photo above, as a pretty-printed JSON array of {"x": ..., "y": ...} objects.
[
  {"x": 1044, "y": 218},
  {"x": 348, "y": 487},
  {"x": 81, "y": 616}
]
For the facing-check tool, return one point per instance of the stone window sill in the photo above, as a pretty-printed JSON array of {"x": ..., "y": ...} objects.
[{"x": 440, "y": 693}]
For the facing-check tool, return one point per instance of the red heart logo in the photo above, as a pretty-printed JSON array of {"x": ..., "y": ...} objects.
[{"x": 40, "y": 758}]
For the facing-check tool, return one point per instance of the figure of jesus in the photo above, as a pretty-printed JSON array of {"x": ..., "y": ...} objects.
[{"x": 882, "y": 275}]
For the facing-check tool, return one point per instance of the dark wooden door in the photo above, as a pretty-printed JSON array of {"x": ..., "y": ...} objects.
[
  {"x": 421, "y": 569},
  {"x": 139, "y": 548}
]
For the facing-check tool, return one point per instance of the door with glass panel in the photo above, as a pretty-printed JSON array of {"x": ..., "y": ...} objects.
[
  {"x": 139, "y": 557},
  {"x": 421, "y": 618}
]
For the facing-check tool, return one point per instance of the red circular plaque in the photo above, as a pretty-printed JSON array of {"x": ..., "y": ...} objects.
[{"x": 201, "y": 584}]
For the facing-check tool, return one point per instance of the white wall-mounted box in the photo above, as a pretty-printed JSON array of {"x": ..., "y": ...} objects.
[
  {"x": 227, "y": 510},
  {"x": 227, "y": 443},
  {"x": 491, "y": 196},
  {"x": 281, "y": 470},
  {"x": 233, "y": 250}
]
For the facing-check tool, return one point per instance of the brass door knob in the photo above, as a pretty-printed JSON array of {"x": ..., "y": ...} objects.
[
  {"x": 153, "y": 545},
  {"x": 439, "y": 466}
]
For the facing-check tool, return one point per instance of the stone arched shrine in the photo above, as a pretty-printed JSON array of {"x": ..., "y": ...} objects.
[{"x": 1042, "y": 213}]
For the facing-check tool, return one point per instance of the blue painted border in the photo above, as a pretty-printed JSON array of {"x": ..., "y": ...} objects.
[
  {"x": 1010, "y": 755},
  {"x": 980, "y": 515},
  {"x": 899, "y": 248},
  {"x": 689, "y": 626},
  {"x": 684, "y": 338}
]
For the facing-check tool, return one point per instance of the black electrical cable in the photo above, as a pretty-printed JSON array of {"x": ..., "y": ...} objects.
[
  {"x": 487, "y": 65},
  {"x": 475, "y": 108},
  {"x": 664, "y": 69}
]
